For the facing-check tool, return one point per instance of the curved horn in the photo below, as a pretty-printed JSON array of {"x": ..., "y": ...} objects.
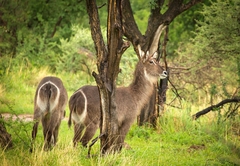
[{"x": 154, "y": 45}]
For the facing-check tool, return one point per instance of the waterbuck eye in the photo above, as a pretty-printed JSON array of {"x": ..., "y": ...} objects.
[{"x": 152, "y": 62}]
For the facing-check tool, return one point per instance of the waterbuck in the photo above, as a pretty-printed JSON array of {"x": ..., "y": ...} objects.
[
  {"x": 49, "y": 104},
  {"x": 84, "y": 104}
]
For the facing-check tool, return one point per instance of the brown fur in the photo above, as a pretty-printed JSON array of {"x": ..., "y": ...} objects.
[
  {"x": 49, "y": 104},
  {"x": 129, "y": 102}
]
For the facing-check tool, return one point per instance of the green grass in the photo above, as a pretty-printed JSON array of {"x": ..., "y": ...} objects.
[{"x": 177, "y": 141}]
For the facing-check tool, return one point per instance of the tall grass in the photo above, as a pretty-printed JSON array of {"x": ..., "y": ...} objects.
[{"x": 178, "y": 141}]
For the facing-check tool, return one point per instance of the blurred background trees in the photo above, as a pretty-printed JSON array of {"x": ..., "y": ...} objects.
[
  {"x": 203, "y": 47},
  {"x": 208, "y": 64}
]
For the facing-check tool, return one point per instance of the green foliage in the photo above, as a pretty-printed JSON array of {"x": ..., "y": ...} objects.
[
  {"x": 211, "y": 58},
  {"x": 76, "y": 53},
  {"x": 127, "y": 65},
  {"x": 32, "y": 30},
  {"x": 141, "y": 13},
  {"x": 218, "y": 34}
]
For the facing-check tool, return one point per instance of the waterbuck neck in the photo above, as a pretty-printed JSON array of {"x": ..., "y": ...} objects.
[{"x": 142, "y": 87}]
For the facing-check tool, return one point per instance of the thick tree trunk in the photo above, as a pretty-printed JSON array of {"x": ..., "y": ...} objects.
[
  {"x": 5, "y": 137},
  {"x": 108, "y": 68},
  {"x": 109, "y": 125}
]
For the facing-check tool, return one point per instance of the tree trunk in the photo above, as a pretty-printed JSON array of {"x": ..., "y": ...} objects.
[
  {"x": 109, "y": 123},
  {"x": 108, "y": 68},
  {"x": 5, "y": 137}
]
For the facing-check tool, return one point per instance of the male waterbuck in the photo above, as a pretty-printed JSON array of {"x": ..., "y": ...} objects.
[
  {"x": 84, "y": 104},
  {"x": 49, "y": 104}
]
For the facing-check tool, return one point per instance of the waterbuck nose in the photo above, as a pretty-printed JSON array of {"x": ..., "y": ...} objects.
[{"x": 165, "y": 73}]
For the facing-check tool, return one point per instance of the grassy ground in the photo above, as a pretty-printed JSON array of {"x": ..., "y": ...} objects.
[{"x": 177, "y": 141}]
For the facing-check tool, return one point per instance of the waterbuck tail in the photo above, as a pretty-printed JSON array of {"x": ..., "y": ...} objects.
[{"x": 71, "y": 108}]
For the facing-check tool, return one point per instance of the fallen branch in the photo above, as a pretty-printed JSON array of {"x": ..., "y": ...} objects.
[{"x": 208, "y": 109}]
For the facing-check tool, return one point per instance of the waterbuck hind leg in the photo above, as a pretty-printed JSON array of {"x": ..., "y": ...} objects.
[
  {"x": 36, "y": 118},
  {"x": 34, "y": 134},
  {"x": 56, "y": 119},
  {"x": 47, "y": 131},
  {"x": 55, "y": 134},
  {"x": 34, "y": 130},
  {"x": 78, "y": 130},
  {"x": 89, "y": 133}
]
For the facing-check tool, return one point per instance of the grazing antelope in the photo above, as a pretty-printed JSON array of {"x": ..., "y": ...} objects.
[{"x": 49, "y": 104}]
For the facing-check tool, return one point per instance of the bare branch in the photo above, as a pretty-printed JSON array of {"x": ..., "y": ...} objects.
[
  {"x": 99, "y": 7},
  {"x": 190, "y": 4},
  {"x": 210, "y": 108},
  {"x": 94, "y": 22},
  {"x": 130, "y": 28},
  {"x": 57, "y": 24}
]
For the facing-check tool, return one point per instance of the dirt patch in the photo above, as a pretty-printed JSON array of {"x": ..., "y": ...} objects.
[{"x": 22, "y": 117}]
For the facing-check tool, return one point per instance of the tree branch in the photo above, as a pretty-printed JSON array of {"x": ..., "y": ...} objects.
[
  {"x": 57, "y": 24},
  {"x": 130, "y": 28},
  {"x": 208, "y": 109},
  {"x": 97, "y": 37}
]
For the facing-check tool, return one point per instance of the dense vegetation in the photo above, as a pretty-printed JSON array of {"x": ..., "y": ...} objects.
[{"x": 203, "y": 52}]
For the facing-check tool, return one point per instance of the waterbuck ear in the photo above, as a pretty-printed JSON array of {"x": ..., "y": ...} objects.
[
  {"x": 155, "y": 55},
  {"x": 141, "y": 52},
  {"x": 144, "y": 56}
]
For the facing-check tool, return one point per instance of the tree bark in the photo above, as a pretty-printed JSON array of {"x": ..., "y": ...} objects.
[
  {"x": 212, "y": 107},
  {"x": 5, "y": 137},
  {"x": 108, "y": 68},
  {"x": 116, "y": 47}
]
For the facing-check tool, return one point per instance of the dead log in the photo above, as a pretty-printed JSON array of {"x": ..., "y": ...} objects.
[{"x": 212, "y": 107}]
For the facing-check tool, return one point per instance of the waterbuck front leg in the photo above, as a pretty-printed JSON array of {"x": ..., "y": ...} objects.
[{"x": 123, "y": 130}]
